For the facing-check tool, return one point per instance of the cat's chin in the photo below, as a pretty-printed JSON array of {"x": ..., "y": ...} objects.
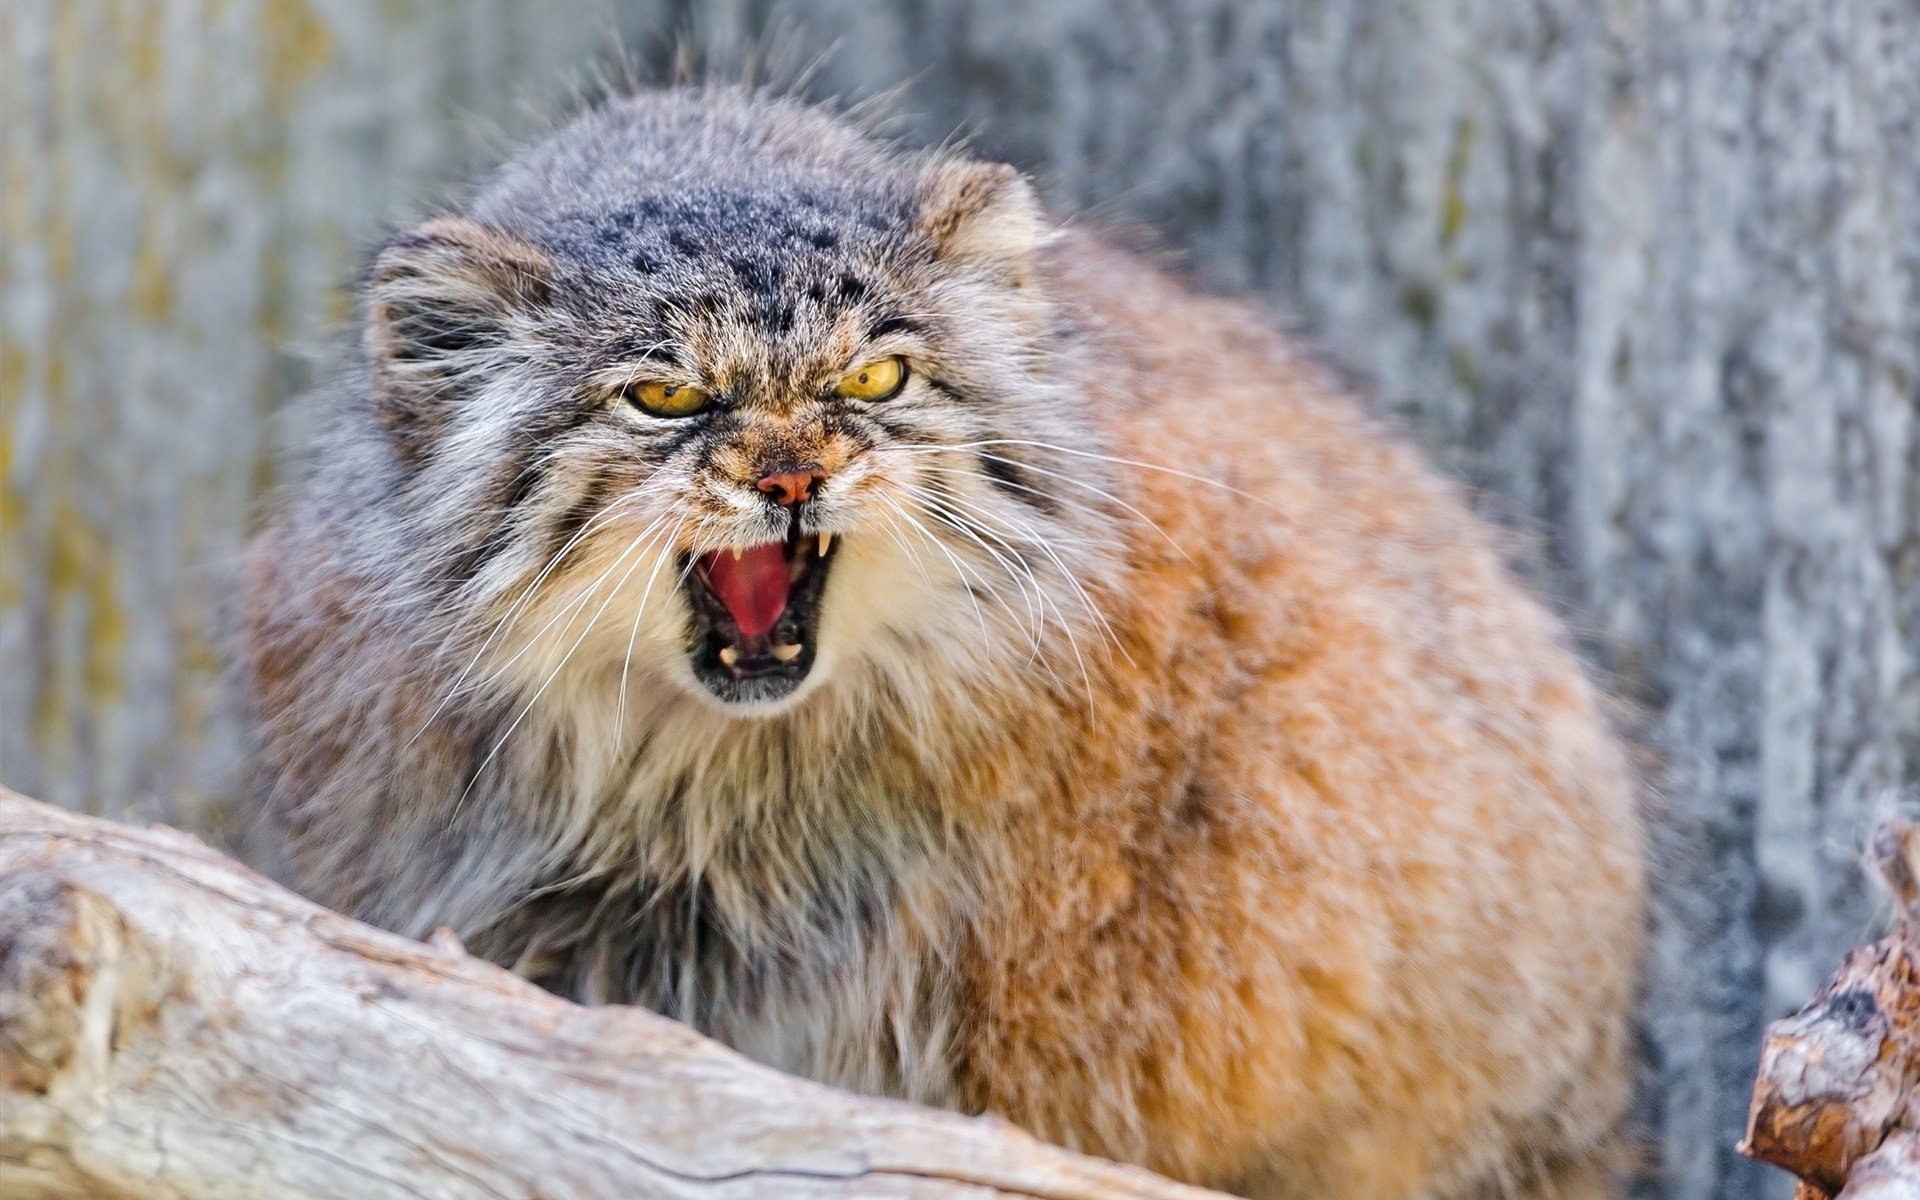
[
  {"x": 750, "y": 698},
  {"x": 761, "y": 695}
]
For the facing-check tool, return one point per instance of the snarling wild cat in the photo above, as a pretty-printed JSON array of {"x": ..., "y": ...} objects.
[{"x": 766, "y": 574}]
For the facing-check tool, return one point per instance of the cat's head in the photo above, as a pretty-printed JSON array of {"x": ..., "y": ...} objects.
[{"x": 719, "y": 390}]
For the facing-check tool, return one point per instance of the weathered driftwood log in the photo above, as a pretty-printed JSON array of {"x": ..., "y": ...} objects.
[
  {"x": 173, "y": 1025},
  {"x": 1837, "y": 1100}
]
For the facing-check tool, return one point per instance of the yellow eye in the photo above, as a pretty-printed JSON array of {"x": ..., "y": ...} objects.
[
  {"x": 880, "y": 379},
  {"x": 666, "y": 399}
]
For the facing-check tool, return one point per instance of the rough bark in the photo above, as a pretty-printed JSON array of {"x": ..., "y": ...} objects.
[
  {"x": 1890, "y": 1173},
  {"x": 1837, "y": 1097},
  {"x": 174, "y": 1026}
]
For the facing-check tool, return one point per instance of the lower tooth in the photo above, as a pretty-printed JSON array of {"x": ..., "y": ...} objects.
[
  {"x": 787, "y": 651},
  {"x": 730, "y": 656}
]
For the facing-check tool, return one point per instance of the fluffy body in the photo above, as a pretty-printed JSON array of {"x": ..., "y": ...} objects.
[{"x": 1180, "y": 773}]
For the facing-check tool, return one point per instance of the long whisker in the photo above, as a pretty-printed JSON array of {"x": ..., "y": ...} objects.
[
  {"x": 644, "y": 540},
  {"x": 966, "y": 577},
  {"x": 567, "y": 611},
  {"x": 527, "y": 708},
  {"x": 991, "y": 521},
  {"x": 1109, "y": 497},
  {"x": 1020, "y": 577},
  {"x": 1125, "y": 462},
  {"x": 948, "y": 505},
  {"x": 1016, "y": 567},
  {"x": 525, "y": 596},
  {"x": 1066, "y": 627},
  {"x": 626, "y": 664}
]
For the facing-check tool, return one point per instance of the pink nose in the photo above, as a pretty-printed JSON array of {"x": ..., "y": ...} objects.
[{"x": 792, "y": 485}]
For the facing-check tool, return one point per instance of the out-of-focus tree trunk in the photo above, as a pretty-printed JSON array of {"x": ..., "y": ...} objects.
[
  {"x": 1648, "y": 270},
  {"x": 188, "y": 187}
]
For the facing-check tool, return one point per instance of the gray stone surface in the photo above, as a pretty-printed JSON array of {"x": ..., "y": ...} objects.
[{"x": 1644, "y": 269}]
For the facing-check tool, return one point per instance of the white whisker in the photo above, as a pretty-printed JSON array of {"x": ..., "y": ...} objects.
[
  {"x": 526, "y": 595},
  {"x": 1064, "y": 478},
  {"x": 527, "y": 708},
  {"x": 626, "y": 664},
  {"x": 1036, "y": 539}
]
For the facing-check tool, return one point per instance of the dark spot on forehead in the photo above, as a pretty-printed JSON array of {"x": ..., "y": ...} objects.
[
  {"x": 783, "y": 259},
  {"x": 776, "y": 315},
  {"x": 761, "y": 273},
  {"x": 715, "y": 222}
]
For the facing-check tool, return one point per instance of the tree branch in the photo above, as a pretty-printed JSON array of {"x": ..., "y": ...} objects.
[
  {"x": 173, "y": 1025},
  {"x": 1835, "y": 1099}
]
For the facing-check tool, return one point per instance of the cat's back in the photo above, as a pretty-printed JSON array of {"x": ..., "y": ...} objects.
[
  {"x": 1372, "y": 818},
  {"x": 1251, "y": 466}
]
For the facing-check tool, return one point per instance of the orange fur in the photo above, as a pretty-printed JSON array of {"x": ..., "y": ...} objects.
[{"x": 1339, "y": 888}]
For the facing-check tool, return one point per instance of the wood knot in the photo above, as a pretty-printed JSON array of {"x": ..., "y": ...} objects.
[{"x": 59, "y": 942}]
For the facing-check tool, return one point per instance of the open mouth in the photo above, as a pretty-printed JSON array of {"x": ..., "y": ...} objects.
[{"x": 756, "y": 615}]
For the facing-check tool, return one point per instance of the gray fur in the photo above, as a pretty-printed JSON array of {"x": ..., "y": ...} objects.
[{"x": 467, "y": 646}]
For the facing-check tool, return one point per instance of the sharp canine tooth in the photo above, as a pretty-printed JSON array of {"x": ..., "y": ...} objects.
[
  {"x": 787, "y": 651},
  {"x": 730, "y": 656},
  {"x": 736, "y": 553},
  {"x": 826, "y": 540}
]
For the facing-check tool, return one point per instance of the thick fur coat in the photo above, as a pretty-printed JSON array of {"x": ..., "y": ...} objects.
[{"x": 1169, "y": 764}]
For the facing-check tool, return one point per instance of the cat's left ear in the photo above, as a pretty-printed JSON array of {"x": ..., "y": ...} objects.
[{"x": 983, "y": 215}]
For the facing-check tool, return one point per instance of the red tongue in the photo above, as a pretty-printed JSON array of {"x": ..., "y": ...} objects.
[{"x": 753, "y": 586}]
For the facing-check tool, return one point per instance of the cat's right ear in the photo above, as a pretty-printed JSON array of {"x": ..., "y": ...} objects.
[{"x": 442, "y": 303}]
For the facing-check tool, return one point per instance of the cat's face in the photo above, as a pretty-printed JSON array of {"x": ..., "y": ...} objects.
[{"x": 743, "y": 437}]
